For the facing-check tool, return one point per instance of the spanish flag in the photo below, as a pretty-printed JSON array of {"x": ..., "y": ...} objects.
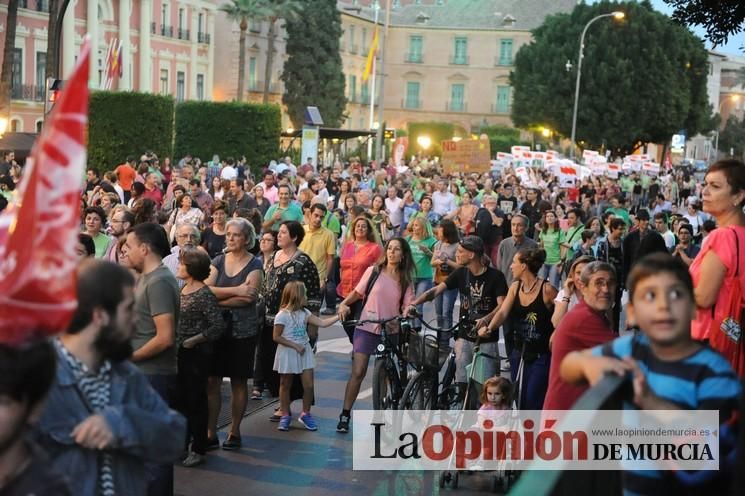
[{"x": 371, "y": 57}]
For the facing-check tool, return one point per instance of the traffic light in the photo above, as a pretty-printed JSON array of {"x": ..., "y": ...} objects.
[
  {"x": 389, "y": 134},
  {"x": 54, "y": 86}
]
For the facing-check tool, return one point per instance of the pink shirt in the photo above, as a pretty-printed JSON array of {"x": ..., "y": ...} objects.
[
  {"x": 270, "y": 194},
  {"x": 722, "y": 242},
  {"x": 383, "y": 301}
]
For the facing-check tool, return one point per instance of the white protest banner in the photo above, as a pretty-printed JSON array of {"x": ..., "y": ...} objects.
[
  {"x": 589, "y": 156},
  {"x": 585, "y": 172},
  {"x": 651, "y": 169},
  {"x": 613, "y": 170},
  {"x": 515, "y": 150},
  {"x": 568, "y": 175},
  {"x": 551, "y": 155},
  {"x": 504, "y": 158},
  {"x": 539, "y": 159},
  {"x": 522, "y": 173}
]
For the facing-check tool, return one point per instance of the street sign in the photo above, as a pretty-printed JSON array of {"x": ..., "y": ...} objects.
[{"x": 466, "y": 156}]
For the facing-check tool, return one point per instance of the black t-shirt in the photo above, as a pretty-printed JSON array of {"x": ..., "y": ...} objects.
[
  {"x": 615, "y": 258},
  {"x": 654, "y": 190},
  {"x": 213, "y": 243},
  {"x": 478, "y": 296},
  {"x": 508, "y": 205},
  {"x": 245, "y": 202}
]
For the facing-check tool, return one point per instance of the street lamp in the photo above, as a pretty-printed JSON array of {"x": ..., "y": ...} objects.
[
  {"x": 3, "y": 126},
  {"x": 424, "y": 141},
  {"x": 616, "y": 15},
  {"x": 734, "y": 98}
]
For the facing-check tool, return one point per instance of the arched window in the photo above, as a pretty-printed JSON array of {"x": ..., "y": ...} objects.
[
  {"x": 16, "y": 125},
  {"x": 39, "y": 125}
]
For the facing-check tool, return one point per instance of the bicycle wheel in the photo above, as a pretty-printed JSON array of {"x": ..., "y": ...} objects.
[
  {"x": 449, "y": 398},
  {"x": 418, "y": 394},
  {"x": 384, "y": 384}
]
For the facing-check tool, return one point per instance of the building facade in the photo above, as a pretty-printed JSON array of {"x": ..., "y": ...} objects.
[{"x": 167, "y": 48}]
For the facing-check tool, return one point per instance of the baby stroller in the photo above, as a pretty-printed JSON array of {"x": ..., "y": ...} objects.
[{"x": 478, "y": 372}]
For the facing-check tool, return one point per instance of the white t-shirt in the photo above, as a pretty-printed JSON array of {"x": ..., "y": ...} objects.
[
  {"x": 228, "y": 173},
  {"x": 295, "y": 325},
  {"x": 393, "y": 207},
  {"x": 443, "y": 203}
]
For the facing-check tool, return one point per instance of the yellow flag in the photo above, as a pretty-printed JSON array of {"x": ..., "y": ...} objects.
[{"x": 371, "y": 56}]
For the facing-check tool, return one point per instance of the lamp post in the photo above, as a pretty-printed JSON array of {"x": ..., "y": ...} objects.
[
  {"x": 734, "y": 98},
  {"x": 617, "y": 15},
  {"x": 381, "y": 93}
]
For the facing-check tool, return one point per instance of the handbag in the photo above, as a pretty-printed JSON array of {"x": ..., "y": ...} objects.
[{"x": 725, "y": 334}]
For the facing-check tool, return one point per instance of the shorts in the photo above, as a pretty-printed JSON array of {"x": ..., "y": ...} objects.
[
  {"x": 233, "y": 357},
  {"x": 366, "y": 342},
  {"x": 464, "y": 356}
]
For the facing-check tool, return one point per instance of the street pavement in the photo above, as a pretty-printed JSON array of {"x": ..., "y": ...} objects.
[{"x": 304, "y": 463}]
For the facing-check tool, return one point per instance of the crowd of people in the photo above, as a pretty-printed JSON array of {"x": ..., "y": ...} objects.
[{"x": 228, "y": 272}]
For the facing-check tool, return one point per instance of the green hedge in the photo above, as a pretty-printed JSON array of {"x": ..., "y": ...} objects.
[
  {"x": 228, "y": 129},
  {"x": 128, "y": 123}
]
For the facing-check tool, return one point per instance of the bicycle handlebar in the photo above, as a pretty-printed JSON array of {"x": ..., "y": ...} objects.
[
  {"x": 373, "y": 321},
  {"x": 435, "y": 329}
]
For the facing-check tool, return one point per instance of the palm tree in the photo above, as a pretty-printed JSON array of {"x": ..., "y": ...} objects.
[
  {"x": 6, "y": 76},
  {"x": 280, "y": 9},
  {"x": 241, "y": 11}
]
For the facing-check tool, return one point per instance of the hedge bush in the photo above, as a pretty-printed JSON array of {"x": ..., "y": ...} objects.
[
  {"x": 228, "y": 129},
  {"x": 128, "y": 123}
]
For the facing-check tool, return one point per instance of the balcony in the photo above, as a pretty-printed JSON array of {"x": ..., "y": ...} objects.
[
  {"x": 459, "y": 60},
  {"x": 497, "y": 108},
  {"x": 37, "y": 5},
  {"x": 27, "y": 93},
  {"x": 413, "y": 58},
  {"x": 456, "y": 106},
  {"x": 502, "y": 61},
  {"x": 203, "y": 38},
  {"x": 353, "y": 48},
  {"x": 166, "y": 31},
  {"x": 411, "y": 103},
  {"x": 184, "y": 34}
]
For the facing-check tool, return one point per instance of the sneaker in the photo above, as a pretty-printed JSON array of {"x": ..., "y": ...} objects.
[
  {"x": 212, "y": 444},
  {"x": 193, "y": 460},
  {"x": 343, "y": 425},
  {"x": 276, "y": 416},
  {"x": 284, "y": 423},
  {"x": 232, "y": 443},
  {"x": 308, "y": 421}
]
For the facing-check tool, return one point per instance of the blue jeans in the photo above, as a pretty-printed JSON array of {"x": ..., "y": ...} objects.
[
  {"x": 534, "y": 382},
  {"x": 420, "y": 286},
  {"x": 552, "y": 274},
  {"x": 444, "y": 304}
]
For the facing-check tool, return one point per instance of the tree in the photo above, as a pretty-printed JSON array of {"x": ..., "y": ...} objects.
[
  {"x": 6, "y": 76},
  {"x": 241, "y": 11},
  {"x": 280, "y": 9},
  {"x": 720, "y": 19},
  {"x": 732, "y": 137},
  {"x": 643, "y": 80},
  {"x": 313, "y": 70}
]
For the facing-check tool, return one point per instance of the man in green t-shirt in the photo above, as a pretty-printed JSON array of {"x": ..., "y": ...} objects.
[{"x": 282, "y": 211}]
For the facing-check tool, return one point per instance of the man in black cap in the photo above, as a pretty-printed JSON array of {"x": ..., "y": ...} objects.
[{"x": 482, "y": 289}]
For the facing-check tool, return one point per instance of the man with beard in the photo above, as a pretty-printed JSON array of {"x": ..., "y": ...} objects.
[
  {"x": 26, "y": 374},
  {"x": 121, "y": 220},
  {"x": 102, "y": 419},
  {"x": 156, "y": 311}
]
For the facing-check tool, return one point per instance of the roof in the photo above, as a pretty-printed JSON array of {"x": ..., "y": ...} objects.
[
  {"x": 332, "y": 133},
  {"x": 470, "y": 14},
  {"x": 20, "y": 143}
]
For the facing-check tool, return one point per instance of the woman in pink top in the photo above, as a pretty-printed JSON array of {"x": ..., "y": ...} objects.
[
  {"x": 360, "y": 251},
  {"x": 396, "y": 273},
  {"x": 724, "y": 198}
]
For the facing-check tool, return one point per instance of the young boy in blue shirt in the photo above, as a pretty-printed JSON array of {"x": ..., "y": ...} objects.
[{"x": 668, "y": 370}]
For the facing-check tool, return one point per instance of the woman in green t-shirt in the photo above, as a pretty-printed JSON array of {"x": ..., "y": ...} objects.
[
  {"x": 421, "y": 241},
  {"x": 550, "y": 241}
]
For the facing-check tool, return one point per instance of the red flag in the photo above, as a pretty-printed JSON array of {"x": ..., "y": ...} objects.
[{"x": 38, "y": 236}]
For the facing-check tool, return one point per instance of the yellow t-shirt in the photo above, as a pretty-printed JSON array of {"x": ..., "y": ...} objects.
[{"x": 318, "y": 245}]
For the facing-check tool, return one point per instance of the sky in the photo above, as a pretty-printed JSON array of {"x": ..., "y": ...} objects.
[{"x": 733, "y": 47}]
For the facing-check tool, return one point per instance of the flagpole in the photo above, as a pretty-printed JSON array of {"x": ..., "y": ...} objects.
[
  {"x": 376, "y": 7},
  {"x": 382, "y": 39}
]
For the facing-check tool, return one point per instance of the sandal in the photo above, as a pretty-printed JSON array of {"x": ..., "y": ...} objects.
[{"x": 256, "y": 394}]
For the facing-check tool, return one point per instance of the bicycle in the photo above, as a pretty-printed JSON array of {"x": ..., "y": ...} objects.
[
  {"x": 424, "y": 390},
  {"x": 390, "y": 376}
]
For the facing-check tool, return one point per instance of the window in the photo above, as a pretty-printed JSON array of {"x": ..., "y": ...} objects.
[
  {"x": 16, "y": 75},
  {"x": 180, "y": 86},
  {"x": 41, "y": 74},
  {"x": 461, "y": 50},
  {"x": 164, "y": 81},
  {"x": 352, "y": 89},
  {"x": 364, "y": 41},
  {"x": 255, "y": 26},
  {"x": 352, "y": 47},
  {"x": 164, "y": 14},
  {"x": 457, "y": 97},
  {"x": 180, "y": 19},
  {"x": 412, "y": 95},
  {"x": 503, "y": 99},
  {"x": 200, "y": 87},
  {"x": 365, "y": 92},
  {"x": 16, "y": 126},
  {"x": 39, "y": 125},
  {"x": 252, "y": 84},
  {"x": 200, "y": 22},
  {"x": 505, "y": 52},
  {"x": 415, "y": 49}
]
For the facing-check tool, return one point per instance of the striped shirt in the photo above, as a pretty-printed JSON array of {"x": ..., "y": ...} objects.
[
  {"x": 701, "y": 381},
  {"x": 96, "y": 392}
]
